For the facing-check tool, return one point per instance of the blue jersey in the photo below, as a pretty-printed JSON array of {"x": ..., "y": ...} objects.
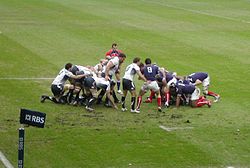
[
  {"x": 150, "y": 71},
  {"x": 198, "y": 75},
  {"x": 169, "y": 76},
  {"x": 182, "y": 88}
]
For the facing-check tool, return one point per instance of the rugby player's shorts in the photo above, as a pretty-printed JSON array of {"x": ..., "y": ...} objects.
[
  {"x": 128, "y": 85},
  {"x": 196, "y": 94},
  {"x": 152, "y": 85},
  {"x": 57, "y": 90}
]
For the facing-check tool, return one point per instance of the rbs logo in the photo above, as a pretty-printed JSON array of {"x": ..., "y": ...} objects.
[
  {"x": 36, "y": 119},
  {"x": 32, "y": 118}
]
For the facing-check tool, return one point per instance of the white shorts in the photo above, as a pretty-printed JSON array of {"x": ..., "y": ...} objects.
[
  {"x": 206, "y": 82},
  {"x": 152, "y": 85},
  {"x": 196, "y": 94}
]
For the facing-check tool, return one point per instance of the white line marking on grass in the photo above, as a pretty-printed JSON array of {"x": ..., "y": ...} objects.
[
  {"x": 26, "y": 78},
  {"x": 169, "y": 129},
  {"x": 5, "y": 161},
  {"x": 198, "y": 12}
]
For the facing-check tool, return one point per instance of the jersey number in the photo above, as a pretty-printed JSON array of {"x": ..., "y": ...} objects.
[{"x": 149, "y": 69}]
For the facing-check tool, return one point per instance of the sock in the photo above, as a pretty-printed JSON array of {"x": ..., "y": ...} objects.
[
  {"x": 167, "y": 96},
  {"x": 159, "y": 101},
  {"x": 91, "y": 101},
  {"x": 118, "y": 84},
  {"x": 201, "y": 102},
  {"x": 70, "y": 95},
  {"x": 106, "y": 100},
  {"x": 77, "y": 96},
  {"x": 100, "y": 96},
  {"x": 212, "y": 94},
  {"x": 123, "y": 101},
  {"x": 115, "y": 97},
  {"x": 53, "y": 99},
  {"x": 132, "y": 103},
  {"x": 139, "y": 98},
  {"x": 152, "y": 93}
]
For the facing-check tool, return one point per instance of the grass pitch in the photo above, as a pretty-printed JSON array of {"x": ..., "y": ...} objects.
[{"x": 38, "y": 37}]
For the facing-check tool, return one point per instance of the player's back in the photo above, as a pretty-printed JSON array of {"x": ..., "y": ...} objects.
[
  {"x": 198, "y": 75},
  {"x": 150, "y": 71}
]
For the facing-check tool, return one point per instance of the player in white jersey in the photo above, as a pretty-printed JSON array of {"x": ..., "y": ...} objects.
[
  {"x": 128, "y": 84},
  {"x": 113, "y": 67},
  {"x": 106, "y": 87},
  {"x": 91, "y": 85},
  {"x": 59, "y": 85},
  {"x": 78, "y": 83},
  {"x": 99, "y": 67}
]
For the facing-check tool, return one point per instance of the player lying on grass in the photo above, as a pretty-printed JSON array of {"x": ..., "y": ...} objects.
[
  {"x": 204, "y": 79},
  {"x": 183, "y": 90},
  {"x": 58, "y": 86},
  {"x": 128, "y": 84}
]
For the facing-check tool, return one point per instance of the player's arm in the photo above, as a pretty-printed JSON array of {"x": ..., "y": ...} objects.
[
  {"x": 78, "y": 76},
  {"x": 178, "y": 100},
  {"x": 197, "y": 82},
  {"x": 141, "y": 77},
  {"x": 109, "y": 65},
  {"x": 108, "y": 93}
]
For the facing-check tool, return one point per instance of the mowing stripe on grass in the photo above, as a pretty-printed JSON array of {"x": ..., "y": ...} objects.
[
  {"x": 169, "y": 129},
  {"x": 5, "y": 161},
  {"x": 197, "y": 11},
  {"x": 26, "y": 78}
]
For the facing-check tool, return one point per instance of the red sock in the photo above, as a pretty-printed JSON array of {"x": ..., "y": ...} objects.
[
  {"x": 201, "y": 102},
  {"x": 212, "y": 94},
  {"x": 139, "y": 99},
  {"x": 167, "y": 95},
  {"x": 159, "y": 101},
  {"x": 152, "y": 93}
]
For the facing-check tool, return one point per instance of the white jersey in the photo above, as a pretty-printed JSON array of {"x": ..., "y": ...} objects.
[
  {"x": 86, "y": 70},
  {"x": 115, "y": 61},
  {"x": 62, "y": 77},
  {"x": 131, "y": 71},
  {"x": 100, "y": 82}
]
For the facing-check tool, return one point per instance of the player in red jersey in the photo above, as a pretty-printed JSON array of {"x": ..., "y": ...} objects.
[{"x": 113, "y": 52}]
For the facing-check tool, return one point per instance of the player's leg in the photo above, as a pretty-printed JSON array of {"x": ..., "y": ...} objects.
[
  {"x": 197, "y": 101},
  {"x": 207, "y": 92},
  {"x": 133, "y": 96},
  {"x": 143, "y": 90},
  {"x": 118, "y": 82},
  {"x": 155, "y": 88}
]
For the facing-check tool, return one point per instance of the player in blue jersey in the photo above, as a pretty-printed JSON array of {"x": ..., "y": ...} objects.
[
  {"x": 194, "y": 92},
  {"x": 204, "y": 79},
  {"x": 149, "y": 72}
]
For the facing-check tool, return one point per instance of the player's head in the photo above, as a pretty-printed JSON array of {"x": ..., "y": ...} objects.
[
  {"x": 114, "y": 46},
  {"x": 172, "y": 89},
  {"x": 147, "y": 61},
  {"x": 122, "y": 57},
  {"x": 136, "y": 60},
  {"x": 68, "y": 66}
]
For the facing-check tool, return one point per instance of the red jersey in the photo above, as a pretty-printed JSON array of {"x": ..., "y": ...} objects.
[{"x": 113, "y": 53}]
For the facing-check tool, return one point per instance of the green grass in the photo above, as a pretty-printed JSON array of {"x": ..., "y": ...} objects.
[{"x": 39, "y": 37}]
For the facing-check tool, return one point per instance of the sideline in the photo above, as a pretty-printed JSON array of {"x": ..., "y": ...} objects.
[
  {"x": 26, "y": 78},
  {"x": 169, "y": 129},
  {"x": 5, "y": 161}
]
